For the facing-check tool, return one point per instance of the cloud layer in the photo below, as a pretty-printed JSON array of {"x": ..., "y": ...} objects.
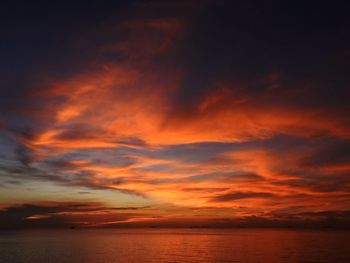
[{"x": 193, "y": 115}]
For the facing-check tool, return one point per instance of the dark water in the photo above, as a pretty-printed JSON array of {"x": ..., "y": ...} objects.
[{"x": 176, "y": 245}]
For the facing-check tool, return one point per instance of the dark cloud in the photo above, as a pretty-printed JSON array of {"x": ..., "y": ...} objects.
[
  {"x": 328, "y": 214},
  {"x": 241, "y": 195},
  {"x": 55, "y": 215},
  {"x": 334, "y": 153},
  {"x": 24, "y": 155},
  {"x": 130, "y": 208},
  {"x": 196, "y": 152},
  {"x": 79, "y": 132},
  {"x": 132, "y": 141},
  {"x": 234, "y": 176},
  {"x": 205, "y": 189},
  {"x": 334, "y": 219},
  {"x": 61, "y": 164},
  {"x": 81, "y": 178},
  {"x": 319, "y": 183},
  {"x": 17, "y": 216}
]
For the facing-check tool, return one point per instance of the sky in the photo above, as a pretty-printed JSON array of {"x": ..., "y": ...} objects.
[{"x": 174, "y": 114}]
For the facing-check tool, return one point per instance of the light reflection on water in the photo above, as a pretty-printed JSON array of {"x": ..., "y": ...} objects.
[{"x": 175, "y": 245}]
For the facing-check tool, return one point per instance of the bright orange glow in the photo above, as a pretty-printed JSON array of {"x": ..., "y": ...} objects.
[{"x": 36, "y": 217}]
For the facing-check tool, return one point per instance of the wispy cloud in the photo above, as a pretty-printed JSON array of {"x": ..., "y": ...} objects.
[{"x": 158, "y": 110}]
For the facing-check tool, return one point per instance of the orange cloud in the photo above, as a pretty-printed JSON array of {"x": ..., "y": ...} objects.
[{"x": 127, "y": 106}]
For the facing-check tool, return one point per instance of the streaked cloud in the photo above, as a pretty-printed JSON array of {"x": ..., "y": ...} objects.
[{"x": 183, "y": 119}]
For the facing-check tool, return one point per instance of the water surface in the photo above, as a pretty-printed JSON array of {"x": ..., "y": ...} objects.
[{"x": 175, "y": 245}]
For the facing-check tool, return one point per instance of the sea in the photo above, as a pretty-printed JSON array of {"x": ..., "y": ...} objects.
[{"x": 175, "y": 245}]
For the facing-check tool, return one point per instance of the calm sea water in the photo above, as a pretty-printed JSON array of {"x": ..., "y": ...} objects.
[{"x": 175, "y": 245}]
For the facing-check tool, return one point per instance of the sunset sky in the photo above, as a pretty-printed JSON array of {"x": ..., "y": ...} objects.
[{"x": 174, "y": 113}]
